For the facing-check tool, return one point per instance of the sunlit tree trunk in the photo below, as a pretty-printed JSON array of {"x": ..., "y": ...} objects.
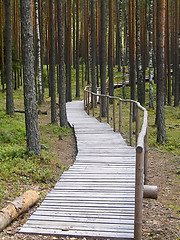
[
  {"x": 40, "y": 90},
  {"x": 168, "y": 54},
  {"x": 8, "y": 59},
  {"x": 161, "y": 132},
  {"x": 31, "y": 116},
  {"x": 151, "y": 105},
  {"x": 74, "y": 35}
]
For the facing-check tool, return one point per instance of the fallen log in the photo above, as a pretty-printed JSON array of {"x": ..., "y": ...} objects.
[
  {"x": 150, "y": 192},
  {"x": 17, "y": 207},
  {"x": 23, "y": 111}
]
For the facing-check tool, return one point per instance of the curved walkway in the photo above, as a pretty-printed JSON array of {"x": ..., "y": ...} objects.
[{"x": 96, "y": 196}]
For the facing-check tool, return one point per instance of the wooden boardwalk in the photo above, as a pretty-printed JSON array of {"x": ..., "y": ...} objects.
[{"x": 96, "y": 196}]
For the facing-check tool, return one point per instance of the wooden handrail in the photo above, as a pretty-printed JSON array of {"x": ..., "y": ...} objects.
[{"x": 141, "y": 146}]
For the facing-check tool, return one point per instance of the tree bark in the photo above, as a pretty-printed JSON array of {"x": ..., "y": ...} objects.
[
  {"x": 176, "y": 62},
  {"x": 77, "y": 49},
  {"x": 161, "y": 132},
  {"x": 62, "y": 91},
  {"x": 111, "y": 47},
  {"x": 17, "y": 207},
  {"x": 151, "y": 105},
  {"x": 93, "y": 49},
  {"x": 8, "y": 59},
  {"x": 40, "y": 90},
  {"x": 52, "y": 61},
  {"x": 31, "y": 116},
  {"x": 140, "y": 84},
  {"x": 103, "y": 55}
]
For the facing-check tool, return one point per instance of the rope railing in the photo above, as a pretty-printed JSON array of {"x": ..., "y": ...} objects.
[{"x": 141, "y": 141}]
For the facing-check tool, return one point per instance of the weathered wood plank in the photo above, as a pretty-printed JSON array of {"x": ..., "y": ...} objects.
[{"x": 95, "y": 197}]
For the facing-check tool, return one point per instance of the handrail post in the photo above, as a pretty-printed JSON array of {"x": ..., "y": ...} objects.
[
  {"x": 137, "y": 122},
  {"x": 93, "y": 104},
  {"x": 107, "y": 109},
  {"x": 146, "y": 149},
  {"x": 114, "y": 116},
  {"x": 120, "y": 116},
  {"x": 131, "y": 124},
  {"x": 100, "y": 107},
  {"x": 139, "y": 193},
  {"x": 88, "y": 103},
  {"x": 84, "y": 100}
]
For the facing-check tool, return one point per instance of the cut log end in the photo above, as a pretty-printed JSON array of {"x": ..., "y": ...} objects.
[{"x": 150, "y": 192}]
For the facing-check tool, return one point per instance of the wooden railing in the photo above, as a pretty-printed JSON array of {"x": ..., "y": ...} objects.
[{"x": 141, "y": 142}]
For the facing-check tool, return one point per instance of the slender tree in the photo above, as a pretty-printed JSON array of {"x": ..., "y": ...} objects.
[
  {"x": 140, "y": 88},
  {"x": 103, "y": 55},
  {"x": 52, "y": 62},
  {"x": 176, "y": 55},
  {"x": 77, "y": 49},
  {"x": 62, "y": 93},
  {"x": 161, "y": 132},
  {"x": 31, "y": 116},
  {"x": 2, "y": 44},
  {"x": 111, "y": 47},
  {"x": 93, "y": 48},
  {"x": 151, "y": 54},
  {"x": 40, "y": 90},
  {"x": 8, "y": 59},
  {"x": 74, "y": 35}
]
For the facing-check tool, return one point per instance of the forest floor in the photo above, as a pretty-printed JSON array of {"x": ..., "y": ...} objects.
[{"x": 161, "y": 217}]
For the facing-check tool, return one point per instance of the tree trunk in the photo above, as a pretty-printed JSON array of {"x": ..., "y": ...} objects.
[
  {"x": 77, "y": 49},
  {"x": 120, "y": 37},
  {"x": 161, "y": 132},
  {"x": 103, "y": 55},
  {"x": 40, "y": 90},
  {"x": 8, "y": 59},
  {"x": 151, "y": 105},
  {"x": 2, "y": 44},
  {"x": 74, "y": 36},
  {"x": 62, "y": 91},
  {"x": 31, "y": 115},
  {"x": 176, "y": 62},
  {"x": 140, "y": 84},
  {"x": 93, "y": 49},
  {"x": 52, "y": 61},
  {"x": 111, "y": 47}
]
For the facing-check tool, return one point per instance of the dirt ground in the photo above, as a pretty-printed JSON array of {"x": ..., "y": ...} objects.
[{"x": 161, "y": 217}]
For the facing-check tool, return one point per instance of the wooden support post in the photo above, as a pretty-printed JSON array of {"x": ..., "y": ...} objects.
[
  {"x": 107, "y": 109},
  {"x": 146, "y": 150},
  {"x": 84, "y": 100},
  {"x": 88, "y": 104},
  {"x": 93, "y": 102},
  {"x": 131, "y": 124},
  {"x": 137, "y": 122},
  {"x": 139, "y": 193},
  {"x": 100, "y": 108},
  {"x": 120, "y": 116},
  {"x": 114, "y": 116}
]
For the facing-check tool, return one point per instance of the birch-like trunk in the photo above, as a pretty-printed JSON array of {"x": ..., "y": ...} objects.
[
  {"x": 151, "y": 54},
  {"x": 140, "y": 88},
  {"x": 40, "y": 90}
]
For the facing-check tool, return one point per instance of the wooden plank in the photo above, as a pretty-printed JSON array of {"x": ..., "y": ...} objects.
[{"x": 55, "y": 232}]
